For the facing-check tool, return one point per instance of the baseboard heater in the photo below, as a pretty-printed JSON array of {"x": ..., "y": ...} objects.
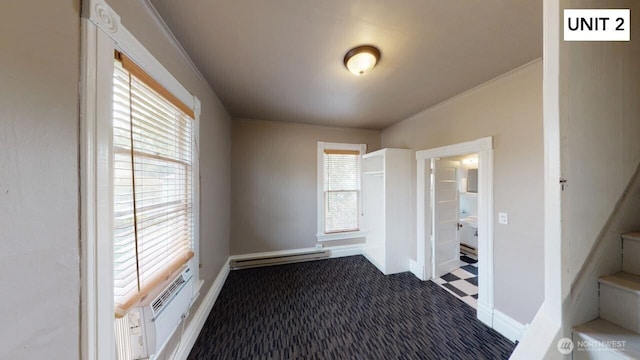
[
  {"x": 468, "y": 249},
  {"x": 266, "y": 260}
]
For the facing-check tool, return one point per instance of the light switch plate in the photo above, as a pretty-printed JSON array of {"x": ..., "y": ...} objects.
[{"x": 503, "y": 218}]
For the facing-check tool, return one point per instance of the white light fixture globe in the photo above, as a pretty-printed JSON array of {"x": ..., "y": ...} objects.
[{"x": 360, "y": 60}]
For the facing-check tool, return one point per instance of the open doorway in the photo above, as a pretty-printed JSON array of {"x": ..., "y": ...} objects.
[
  {"x": 454, "y": 211},
  {"x": 434, "y": 249}
]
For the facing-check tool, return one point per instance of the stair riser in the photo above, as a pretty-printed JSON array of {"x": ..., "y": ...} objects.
[
  {"x": 620, "y": 307},
  {"x": 631, "y": 257}
]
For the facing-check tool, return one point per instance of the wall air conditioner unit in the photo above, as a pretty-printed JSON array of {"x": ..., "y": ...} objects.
[{"x": 155, "y": 320}]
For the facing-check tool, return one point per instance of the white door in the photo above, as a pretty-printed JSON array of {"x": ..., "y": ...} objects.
[{"x": 446, "y": 244}]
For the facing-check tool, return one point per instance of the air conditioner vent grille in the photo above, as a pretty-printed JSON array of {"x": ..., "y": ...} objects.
[{"x": 167, "y": 294}]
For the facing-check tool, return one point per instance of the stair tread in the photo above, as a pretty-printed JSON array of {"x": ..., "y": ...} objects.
[
  {"x": 602, "y": 331},
  {"x": 622, "y": 280},
  {"x": 631, "y": 236}
]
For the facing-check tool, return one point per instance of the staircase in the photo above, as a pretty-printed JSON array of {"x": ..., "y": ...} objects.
[{"x": 616, "y": 333}]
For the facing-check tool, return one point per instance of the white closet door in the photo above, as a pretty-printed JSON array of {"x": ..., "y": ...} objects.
[
  {"x": 446, "y": 243},
  {"x": 373, "y": 204}
]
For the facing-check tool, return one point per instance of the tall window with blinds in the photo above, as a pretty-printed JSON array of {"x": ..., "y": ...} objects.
[
  {"x": 153, "y": 214},
  {"x": 341, "y": 190}
]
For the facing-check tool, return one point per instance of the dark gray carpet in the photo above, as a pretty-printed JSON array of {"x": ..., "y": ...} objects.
[{"x": 341, "y": 309}]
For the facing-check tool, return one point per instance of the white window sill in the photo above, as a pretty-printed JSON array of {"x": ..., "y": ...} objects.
[{"x": 341, "y": 236}]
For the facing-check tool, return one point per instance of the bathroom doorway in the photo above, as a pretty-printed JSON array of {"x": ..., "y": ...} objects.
[
  {"x": 430, "y": 242},
  {"x": 454, "y": 204}
]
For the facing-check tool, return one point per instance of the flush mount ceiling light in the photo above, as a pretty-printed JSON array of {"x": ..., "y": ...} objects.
[{"x": 360, "y": 60}]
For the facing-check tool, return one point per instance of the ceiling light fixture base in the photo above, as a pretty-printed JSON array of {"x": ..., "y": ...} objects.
[{"x": 362, "y": 59}]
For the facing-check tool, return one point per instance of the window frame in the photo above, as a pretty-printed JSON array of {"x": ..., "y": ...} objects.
[
  {"x": 320, "y": 234},
  {"x": 101, "y": 34},
  {"x": 134, "y": 156}
]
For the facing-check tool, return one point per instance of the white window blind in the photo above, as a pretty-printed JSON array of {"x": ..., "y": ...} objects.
[
  {"x": 341, "y": 190},
  {"x": 152, "y": 142}
]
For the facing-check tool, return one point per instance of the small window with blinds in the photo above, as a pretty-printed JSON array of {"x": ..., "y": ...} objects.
[
  {"x": 153, "y": 213},
  {"x": 341, "y": 188}
]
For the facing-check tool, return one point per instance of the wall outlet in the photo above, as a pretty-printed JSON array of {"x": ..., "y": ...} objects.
[
  {"x": 318, "y": 246},
  {"x": 503, "y": 218}
]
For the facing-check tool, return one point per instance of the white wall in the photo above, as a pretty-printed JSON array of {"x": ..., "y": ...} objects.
[
  {"x": 39, "y": 262},
  {"x": 39, "y": 183},
  {"x": 508, "y": 108},
  {"x": 600, "y": 130},
  {"x": 274, "y": 182},
  {"x": 592, "y": 123}
]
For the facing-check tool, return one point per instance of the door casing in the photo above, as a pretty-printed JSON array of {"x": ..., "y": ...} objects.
[{"x": 484, "y": 148}]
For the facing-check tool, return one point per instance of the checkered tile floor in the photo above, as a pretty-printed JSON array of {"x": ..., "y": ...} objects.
[{"x": 463, "y": 282}]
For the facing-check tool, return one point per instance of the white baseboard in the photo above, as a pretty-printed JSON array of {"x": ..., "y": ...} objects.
[
  {"x": 507, "y": 326},
  {"x": 195, "y": 326},
  {"x": 500, "y": 322},
  {"x": 416, "y": 269},
  {"x": 485, "y": 313},
  {"x": 334, "y": 252}
]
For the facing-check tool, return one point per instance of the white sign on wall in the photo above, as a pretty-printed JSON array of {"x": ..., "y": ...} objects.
[{"x": 597, "y": 25}]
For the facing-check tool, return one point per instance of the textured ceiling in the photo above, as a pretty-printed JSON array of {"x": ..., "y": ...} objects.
[{"x": 282, "y": 59}]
